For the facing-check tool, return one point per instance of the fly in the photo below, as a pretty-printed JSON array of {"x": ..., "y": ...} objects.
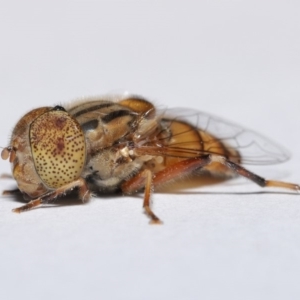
[{"x": 126, "y": 145}]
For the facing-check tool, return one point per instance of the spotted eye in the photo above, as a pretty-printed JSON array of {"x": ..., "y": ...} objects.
[{"x": 58, "y": 148}]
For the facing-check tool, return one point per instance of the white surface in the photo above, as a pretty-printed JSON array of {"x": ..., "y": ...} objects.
[{"x": 236, "y": 59}]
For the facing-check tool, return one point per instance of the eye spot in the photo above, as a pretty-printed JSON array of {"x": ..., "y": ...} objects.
[
  {"x": 60, "y": 123},
  {"x": 60, "y": 144}
]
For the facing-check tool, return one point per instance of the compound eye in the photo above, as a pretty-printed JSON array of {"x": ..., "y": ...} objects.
[{"x": 58, "y": 148}]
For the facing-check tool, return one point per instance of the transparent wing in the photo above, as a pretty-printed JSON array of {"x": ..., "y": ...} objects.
[{"x": 252, "y": 147}]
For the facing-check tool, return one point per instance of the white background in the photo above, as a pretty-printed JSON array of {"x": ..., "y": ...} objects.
[{"x": 237, "y": 59}]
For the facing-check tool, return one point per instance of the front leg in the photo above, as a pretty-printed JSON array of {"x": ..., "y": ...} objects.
[
  {"x": 84, "y": 195},
  {"x": 12, "y": 192}
]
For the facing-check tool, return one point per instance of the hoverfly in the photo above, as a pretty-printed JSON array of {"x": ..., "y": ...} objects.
[{"x": 124, "y": 144}]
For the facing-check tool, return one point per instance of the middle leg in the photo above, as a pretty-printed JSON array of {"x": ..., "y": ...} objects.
[{"x": 145, "y": 179}]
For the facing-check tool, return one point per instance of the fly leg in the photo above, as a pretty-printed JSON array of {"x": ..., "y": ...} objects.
[
  {"x": 84, "y": 195},
  {"x": 146, "y": 180},
  {"x": 12, "y": 192},
  {"x": 189, "y": 165},
  {"x": 142, "y": 179},
  {"x": 255, "y": 178},
  {"x": 6, "y": 176}
]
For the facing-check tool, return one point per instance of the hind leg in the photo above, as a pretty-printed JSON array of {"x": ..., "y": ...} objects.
[{"x": 145, "y": 179}]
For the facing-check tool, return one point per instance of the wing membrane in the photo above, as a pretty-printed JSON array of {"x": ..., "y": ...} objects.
[{"x": 253, "y": 148}]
